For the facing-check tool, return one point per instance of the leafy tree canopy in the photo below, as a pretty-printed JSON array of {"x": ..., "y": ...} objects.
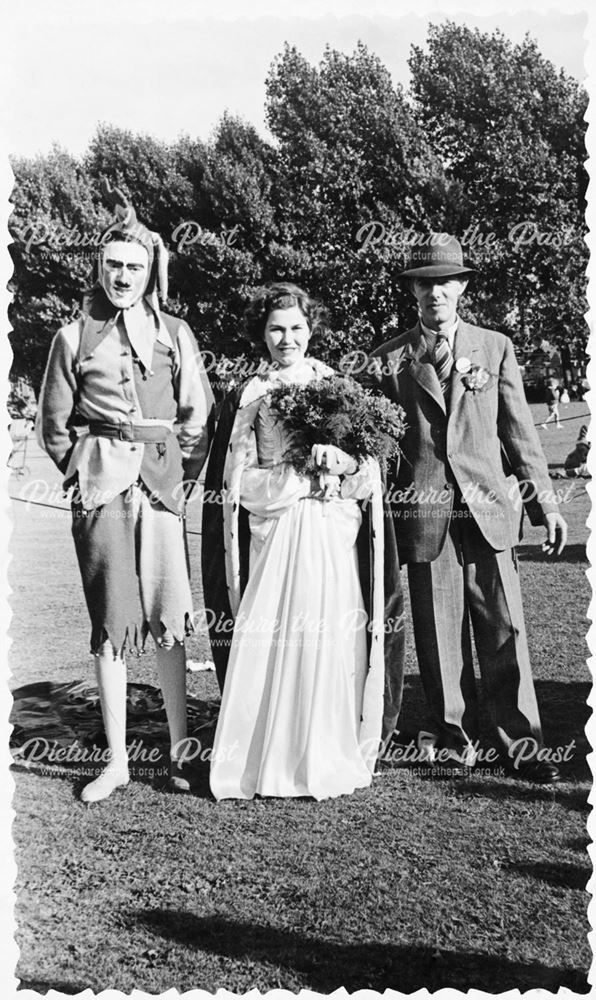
[{"x": 488, "y": 144}]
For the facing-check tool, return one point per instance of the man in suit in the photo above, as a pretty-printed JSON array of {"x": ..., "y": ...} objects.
[{"x": 471, "y": 460}]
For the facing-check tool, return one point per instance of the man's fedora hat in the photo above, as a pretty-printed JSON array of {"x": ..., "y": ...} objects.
[{"x": 440, "y": 257}]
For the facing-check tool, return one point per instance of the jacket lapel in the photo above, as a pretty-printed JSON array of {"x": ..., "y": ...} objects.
[
  {"x": 465, "y": 346},
  {"x": 421, "y": 368}
]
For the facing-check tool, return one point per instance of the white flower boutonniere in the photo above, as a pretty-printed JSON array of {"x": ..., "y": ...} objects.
[{"x": 474, "y": 377}]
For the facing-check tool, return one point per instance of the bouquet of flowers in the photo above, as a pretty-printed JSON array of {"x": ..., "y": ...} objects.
[{"x": 338, "y": 411}]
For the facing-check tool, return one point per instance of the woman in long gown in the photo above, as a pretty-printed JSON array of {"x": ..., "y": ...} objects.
[{"x": 302, "y": 701}]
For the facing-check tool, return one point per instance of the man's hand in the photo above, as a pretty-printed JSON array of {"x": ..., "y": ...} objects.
[{"x": 556, "y": 527}]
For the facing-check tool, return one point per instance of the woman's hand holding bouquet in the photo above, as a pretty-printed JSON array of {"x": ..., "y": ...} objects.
[
  {"x": 333, "y": 463},
  {"x": 330, "y": 458}
]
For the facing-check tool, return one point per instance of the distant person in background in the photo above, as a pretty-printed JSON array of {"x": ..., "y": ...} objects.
[
  {"x": 576, "y": 463},
  {"x": 566, "y": 366},
  {"x": 553, "y": 395},
  {"x": 22, "y": 404},
  {"x": 22, "y": 408},
  {"x": 574, "y": 393},
  {"x": 554, "y": 362}
]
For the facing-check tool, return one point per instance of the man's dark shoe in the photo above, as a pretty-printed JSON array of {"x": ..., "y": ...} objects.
[
  {"x": 398, "y": 750},
  {"x": 542, "y": 772},
  {"x": 402, "y": 738}
]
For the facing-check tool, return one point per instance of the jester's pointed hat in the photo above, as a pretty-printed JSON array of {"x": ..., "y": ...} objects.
[{"x": 127, "y": 227}]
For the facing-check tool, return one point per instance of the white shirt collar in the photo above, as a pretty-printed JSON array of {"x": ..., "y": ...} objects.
[{"x": 450, "y": 334}]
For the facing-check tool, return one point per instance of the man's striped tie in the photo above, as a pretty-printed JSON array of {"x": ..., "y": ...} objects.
[{"x": 443, "y": 361}]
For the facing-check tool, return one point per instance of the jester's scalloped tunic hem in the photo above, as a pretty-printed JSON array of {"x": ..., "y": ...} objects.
[{"x": 134, "y": 638}]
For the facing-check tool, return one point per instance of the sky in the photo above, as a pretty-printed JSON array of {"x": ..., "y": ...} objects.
[{"x": 174, "y": 68}]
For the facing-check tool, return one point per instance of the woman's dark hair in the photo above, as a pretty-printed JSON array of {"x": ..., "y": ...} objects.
[{"x": 282, "y": 295}]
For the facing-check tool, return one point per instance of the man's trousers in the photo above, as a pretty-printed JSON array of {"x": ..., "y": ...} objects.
[{"x": 471, "y": 583}]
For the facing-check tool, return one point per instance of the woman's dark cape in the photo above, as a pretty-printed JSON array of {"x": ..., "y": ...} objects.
[{"x": 220, "y": 618}]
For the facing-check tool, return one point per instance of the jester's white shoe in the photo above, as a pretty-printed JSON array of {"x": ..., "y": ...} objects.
[{"x": 113, "y": 777}]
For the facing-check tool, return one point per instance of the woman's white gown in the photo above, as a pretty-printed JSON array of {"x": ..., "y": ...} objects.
[{"x": 292, "y": 699}]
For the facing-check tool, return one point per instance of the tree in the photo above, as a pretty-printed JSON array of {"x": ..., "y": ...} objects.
[
  {"x": 208, "y": 201},
  {"x": 353, "y": 171},
  {"x": 490, "y": 140},
  {"x": 223, "y": 252},
  {"x": 152, "y": 173},
  {"x": 510, "y": 131},
  {"x": 53, "y": 223}
]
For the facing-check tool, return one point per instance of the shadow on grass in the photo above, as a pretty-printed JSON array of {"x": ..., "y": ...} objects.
[
  {"x": 575, "y": 799},
  {"x": 326, "y": 966},
  {"x": 571, "y": 554},
  {"x": 58, "y": 732},
  {"x": 51, "y": 718},
  {"x": 78, "y": 777},
  {"x": 156, "y": 777},
  {"x": 42, "y": 986},
  {"x": 563, "y": 709},
  {"x": 565, "y": 712},
  {"x": 578, "y": 844},
  {"x": 564, "y": 875}
]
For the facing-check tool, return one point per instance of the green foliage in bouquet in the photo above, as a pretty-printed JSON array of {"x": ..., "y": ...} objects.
[{"x": 338, "y": 411}]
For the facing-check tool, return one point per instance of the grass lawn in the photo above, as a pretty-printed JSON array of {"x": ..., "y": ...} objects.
[{"x": 474, "y": 883}]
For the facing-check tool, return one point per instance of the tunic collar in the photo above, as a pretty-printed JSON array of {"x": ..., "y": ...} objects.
[
  {"x": 143, "y": 325},
  {"x": 144, "y": 328}
]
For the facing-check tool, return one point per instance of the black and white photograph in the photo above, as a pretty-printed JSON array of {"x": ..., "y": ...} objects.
[{"x": 297, "y": 466}]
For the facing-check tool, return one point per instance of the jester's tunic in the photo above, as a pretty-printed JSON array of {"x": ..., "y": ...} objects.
[{"x": 124, "y": 412}]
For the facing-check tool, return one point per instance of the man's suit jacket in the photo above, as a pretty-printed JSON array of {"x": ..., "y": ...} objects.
[{"x": 482, "y": 443}]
